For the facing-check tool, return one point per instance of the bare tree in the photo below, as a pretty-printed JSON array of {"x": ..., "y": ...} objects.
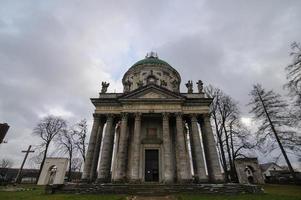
[
  {"x": 47, "y": 129},
  {"x": 231, "y": 135},
  {"x": 66, "y": 144},
  {"x": 6, "y": 163},
  {"x": 216, "y": 94},
  {"x": 293, "y": 75},
  {"x": 80, "y": 134},
  {"x": 269, "y": 111}
]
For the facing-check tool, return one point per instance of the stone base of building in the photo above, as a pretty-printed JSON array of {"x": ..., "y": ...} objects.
[{"x": 155, "y": 189}]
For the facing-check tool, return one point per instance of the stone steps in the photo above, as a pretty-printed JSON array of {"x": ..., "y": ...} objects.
[{"x": 156, "y": 189}]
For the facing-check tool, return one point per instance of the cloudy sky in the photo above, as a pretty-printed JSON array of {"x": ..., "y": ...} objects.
[{"x": 54, "y": 54}]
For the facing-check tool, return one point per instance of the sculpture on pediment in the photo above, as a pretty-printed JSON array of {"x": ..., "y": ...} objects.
[
  {"x": 127, "y": 85},
  {"x": 175, "y": 85},
  {"x": 189, "y": 86},
  {"x": 104, "y": 87},
  {"x": 163, "y": 83},
  {"x": 140, "y": 83},
  {"x": 200, "y": 86}
]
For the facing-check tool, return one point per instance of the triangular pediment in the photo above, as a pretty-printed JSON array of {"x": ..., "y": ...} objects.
[{"x": 152, "y": 92}]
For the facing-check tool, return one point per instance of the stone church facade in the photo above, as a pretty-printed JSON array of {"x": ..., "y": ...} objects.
[{"x": 152, "y": 132}]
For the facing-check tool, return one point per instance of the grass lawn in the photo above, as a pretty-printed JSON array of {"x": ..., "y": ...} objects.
[{"x": 273, "y": 192}]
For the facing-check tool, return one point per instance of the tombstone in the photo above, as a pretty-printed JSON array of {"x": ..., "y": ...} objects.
[
  {"x": 53, "y": 171},
  {"x": 248, "y": 171}
]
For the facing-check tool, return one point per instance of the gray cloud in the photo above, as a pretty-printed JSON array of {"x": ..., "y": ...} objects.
[{"x": 54, "y": 54}]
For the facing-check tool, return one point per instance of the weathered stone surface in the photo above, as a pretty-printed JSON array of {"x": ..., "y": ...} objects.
[
  {"x": 93, "y": 173},
  {"x": 168, "y": 169},
  {"x": 120, "y": 175},
  {"x": 91, "y": 147},
  {"x": 200, "y": 171},
  {"x": 183, "y": 173},
  {"x": 214, "y": 170},
  {"x": 107, "y": 150},
  {"x": 134, "y": 171}
]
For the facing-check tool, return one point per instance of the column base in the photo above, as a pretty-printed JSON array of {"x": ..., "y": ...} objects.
[
  {"x": 103, "y": 180},
  {"x": 185, "y": 181},
  {"x": 85, "y": 180},
  {"x": 135, "y": 181}
]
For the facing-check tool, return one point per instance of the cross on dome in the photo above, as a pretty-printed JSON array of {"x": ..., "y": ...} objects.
[{"x": 151, "y": 55}]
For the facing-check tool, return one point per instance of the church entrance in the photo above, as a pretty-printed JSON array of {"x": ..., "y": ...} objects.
[{"x": 151, "y": 165}]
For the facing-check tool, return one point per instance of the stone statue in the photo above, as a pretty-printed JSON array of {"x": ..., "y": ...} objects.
[
  {"x": 175, "y": 85},
  {"x": 163, "y": 83},
  {"x": 200, "y": 86},
  {"x": 127, "y": 85},
  {"x": 189, "y": 86},
  {"x": 140, "y": 84},
  {"x": 104, "y": 87}
]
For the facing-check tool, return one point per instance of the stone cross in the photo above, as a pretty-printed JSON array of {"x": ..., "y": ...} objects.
[
  {"x": 18, "y": 178},
  {"x": 104, "y": 87},
  {"x": 200, "y": 86}
]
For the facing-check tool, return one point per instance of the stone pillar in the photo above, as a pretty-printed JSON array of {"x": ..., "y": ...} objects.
[
  {"x": 134, "y": 171},
  {"x": 212, "y": 160},
  {"x": 107, "y": 150},
  {"x": 115, "y": 150},
  {"x": 200, "y": 171},
  {"x": 93, "y": 173},
  {"x": 122, "y": 150},
  {"x": 168, "y": 164},
  {"x": 90, "y": 151},
  {"x": 183, "y": 173}
]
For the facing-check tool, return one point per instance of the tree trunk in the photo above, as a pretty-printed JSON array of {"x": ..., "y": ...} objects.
[
  {"x": 229, "y": 154},
  {"x": 233, "y": 156},
  {"x": 43, "y": 161},
  {"x": 224, "y": 164},
  {"x": 278, "y": 141},
  {"x": 70, "y": 167}
]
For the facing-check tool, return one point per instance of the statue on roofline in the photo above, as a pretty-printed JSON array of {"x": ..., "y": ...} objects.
[
  {"x": 104, "y": 87},
  {"x": 200, "y": 86},
  {"x": 189, "y": 86}
]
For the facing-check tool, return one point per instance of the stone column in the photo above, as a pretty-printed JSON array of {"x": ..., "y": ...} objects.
[
  {"x": 168, "y": 164},
  {"x": 183, "y": 173},
  {"x": 107, "y": 150},
  {"x": 200, "y": 171},
  {"x": 90, "y": 151},
  {"x": 115, "y": 150},
  {"x": 122, "y": 150},
  {"x": 93, "y": 174},
  {"x": 213, "y": 167},
  {"x": 134, "y": 171}
]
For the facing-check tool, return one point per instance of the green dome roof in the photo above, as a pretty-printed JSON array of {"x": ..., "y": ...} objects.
[{"x": 151, "y": 61}]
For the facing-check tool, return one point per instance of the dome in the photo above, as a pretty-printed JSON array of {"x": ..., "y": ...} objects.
[{"x": 151, "y": 70}]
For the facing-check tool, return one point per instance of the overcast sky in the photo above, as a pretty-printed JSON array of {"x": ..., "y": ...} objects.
[{"x": 54, "y": 54}]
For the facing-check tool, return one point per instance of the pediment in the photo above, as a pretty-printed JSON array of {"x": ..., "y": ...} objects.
[{"x": 152, "y": 93}]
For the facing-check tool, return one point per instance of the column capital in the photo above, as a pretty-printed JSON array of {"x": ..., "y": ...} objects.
[
  {"x": 137, "y": 115},
  {"x": 124, "y": 115},
  {"x": 206, "y": 117},
  {"x": 96, "y": 116},
  {"x": 109, "y": 116},
  {"x": 193, "y": 117},
  {"x": 179, "y": 114},
  {"x": 165, "y": 115}
]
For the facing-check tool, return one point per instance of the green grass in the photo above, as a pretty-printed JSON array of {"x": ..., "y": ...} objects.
[
  {"x": 272, "y": 192},
  {"x": 38, "y": 194}
]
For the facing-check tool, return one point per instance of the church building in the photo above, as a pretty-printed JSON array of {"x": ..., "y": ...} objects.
[{"x": 152, "y": 132}]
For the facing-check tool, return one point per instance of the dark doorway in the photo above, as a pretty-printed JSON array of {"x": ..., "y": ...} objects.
[{"x": 152, "y": 165}]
